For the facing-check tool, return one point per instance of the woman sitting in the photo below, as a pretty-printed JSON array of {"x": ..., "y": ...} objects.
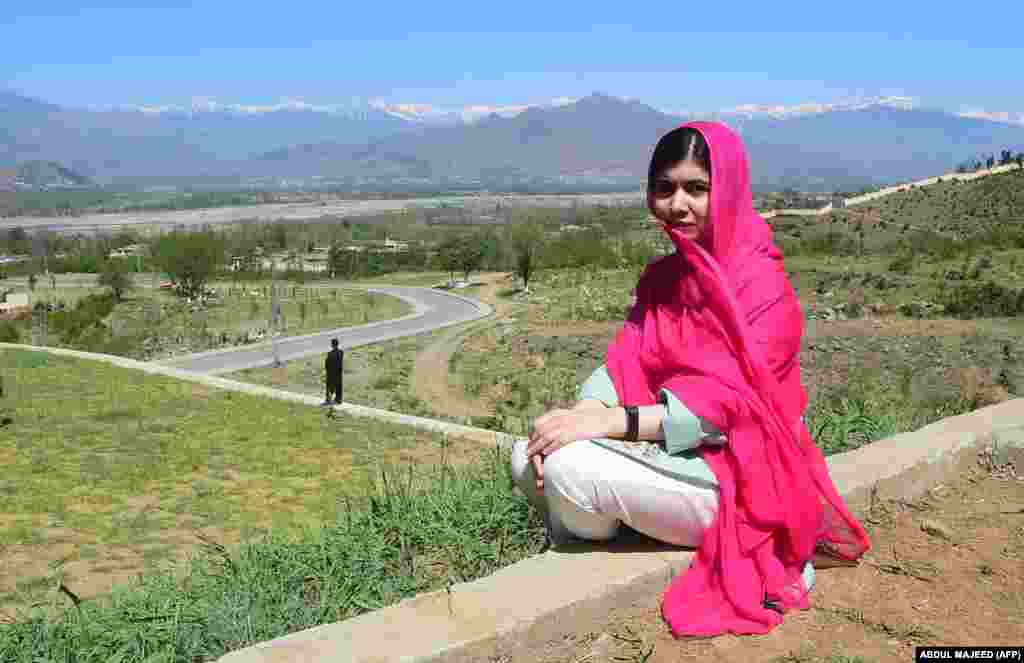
[{"x": 692, "y": 432}]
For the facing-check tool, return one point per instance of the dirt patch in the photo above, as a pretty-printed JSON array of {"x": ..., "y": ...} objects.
[
  {"x": 70, "y": 559},
  {"x": 433, "y": 384},
  {"x": 432, "y": 381},
  {"x": 947, "y": 569}
]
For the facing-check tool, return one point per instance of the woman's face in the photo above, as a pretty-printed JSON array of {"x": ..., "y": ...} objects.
[{"x": 680, "y": 196}]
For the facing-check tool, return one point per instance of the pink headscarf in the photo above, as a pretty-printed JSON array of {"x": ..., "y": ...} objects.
[{"x": 718, "y": 324}]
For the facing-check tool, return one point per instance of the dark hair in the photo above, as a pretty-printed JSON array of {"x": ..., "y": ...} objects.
[
  {"x": 334, "y": 342},
  {"x": 679, "y": 145}
]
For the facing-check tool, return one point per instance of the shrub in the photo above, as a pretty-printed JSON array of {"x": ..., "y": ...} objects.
[
  {"x": 72, "y": 324},
  {"x": 9, "y": 332},
  {"x": 987, "y": 300},
  {"x": 904, "y": 264}
]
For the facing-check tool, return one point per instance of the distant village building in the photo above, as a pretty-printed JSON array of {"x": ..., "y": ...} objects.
[
  {"x": 314, "y": 261},
  {"x": 129, "y": 251},
  {"x": 838, "y": 201},
  {"x": 377, "y": 246},
  {"x": 12, "y": 303}
]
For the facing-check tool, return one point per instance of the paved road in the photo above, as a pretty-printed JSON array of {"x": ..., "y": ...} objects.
[{"x": 432, "y": 309}]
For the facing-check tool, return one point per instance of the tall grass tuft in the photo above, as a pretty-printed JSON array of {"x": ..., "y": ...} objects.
[{"x": 867, "y": 409}]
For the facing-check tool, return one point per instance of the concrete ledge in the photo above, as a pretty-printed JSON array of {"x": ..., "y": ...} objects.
[{"x": 525, "y": 609}]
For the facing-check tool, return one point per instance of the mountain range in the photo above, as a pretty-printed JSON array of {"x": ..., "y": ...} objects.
[{"x": 598, "y": 138}]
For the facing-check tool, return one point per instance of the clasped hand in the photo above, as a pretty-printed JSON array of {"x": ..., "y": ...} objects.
[{"x": 559, "y": 427}]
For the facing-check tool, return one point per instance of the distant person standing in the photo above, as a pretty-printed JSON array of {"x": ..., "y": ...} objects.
[{"x": 333, "y": 366}]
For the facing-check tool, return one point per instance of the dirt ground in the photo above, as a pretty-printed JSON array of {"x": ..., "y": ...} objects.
[{"x": 946, "y": 569}]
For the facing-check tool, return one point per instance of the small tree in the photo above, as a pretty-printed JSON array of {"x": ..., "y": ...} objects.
[
  {"x": 32, "y": 280},
  {"x": 527, "y": 241},
  {"x": 189, "y": 258},
  {"x": 115, "y": 276},
  {"x": 470, "y": 255},
  {"x": 448, "y": 256},
  {"x": 335, "y": 260}
]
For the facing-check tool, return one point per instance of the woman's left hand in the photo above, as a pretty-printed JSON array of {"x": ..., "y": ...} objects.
[{"x": 557, "y": 428}]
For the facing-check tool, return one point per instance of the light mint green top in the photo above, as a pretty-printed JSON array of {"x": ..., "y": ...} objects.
[{"x": 684, "y": 432}]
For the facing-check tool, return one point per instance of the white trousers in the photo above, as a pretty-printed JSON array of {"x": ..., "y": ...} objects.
[{"x": 589, "y": 491}]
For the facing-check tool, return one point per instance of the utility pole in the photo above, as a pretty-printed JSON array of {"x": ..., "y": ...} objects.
[{"x": 275, "y": 316}]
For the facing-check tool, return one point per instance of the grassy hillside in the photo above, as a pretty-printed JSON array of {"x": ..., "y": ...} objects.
[
  {"x": 111, "y": 475},
  {"x": 955, "y": 207}
]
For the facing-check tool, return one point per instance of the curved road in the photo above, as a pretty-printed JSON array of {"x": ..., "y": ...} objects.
[{"x": 433, "y": 309}]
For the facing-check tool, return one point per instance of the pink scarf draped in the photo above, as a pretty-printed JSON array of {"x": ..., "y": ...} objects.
[{"x": 719, "y": 325}]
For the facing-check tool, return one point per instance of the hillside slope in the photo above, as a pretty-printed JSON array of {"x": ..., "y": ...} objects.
[{"x": 961, "y": 208}]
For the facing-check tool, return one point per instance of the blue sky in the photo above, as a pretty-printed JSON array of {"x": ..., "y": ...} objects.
[{"x": 679, "y": 56}]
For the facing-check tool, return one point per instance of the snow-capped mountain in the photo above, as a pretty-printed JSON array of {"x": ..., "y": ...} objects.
[
  {"x": 430, "y": 115},
  {"x": 424, "y": 114},
  {"x": 201, "y": 107},
  {"x": 813, "y": 108},
  {"x": 995, "y": 116}
]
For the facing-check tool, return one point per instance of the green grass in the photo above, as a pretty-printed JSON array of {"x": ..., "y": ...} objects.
[
  {"x": 582, "y": 294},
  {"x": 925, "y": 278},
  {"x": 421, "y": 279},
  {"x": 459, "y": 525},
  {"x": 869, "y": 408},
  {"x": 67, "y": 294},
  {"x": 329, "y": 521},
  {"x": 121, "y": 458},
  {"x": 527, "y": 392}
]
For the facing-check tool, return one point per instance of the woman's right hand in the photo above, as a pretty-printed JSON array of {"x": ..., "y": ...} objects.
[{"x": 538, "y": 458}]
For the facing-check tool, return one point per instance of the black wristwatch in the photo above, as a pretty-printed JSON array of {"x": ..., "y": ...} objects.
[{"x": 632, "y": 423}]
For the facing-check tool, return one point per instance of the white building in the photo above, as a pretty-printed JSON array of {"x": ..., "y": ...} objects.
[
  {"x": 130, "y": 251},
  {"x": 14, "y": 301}
]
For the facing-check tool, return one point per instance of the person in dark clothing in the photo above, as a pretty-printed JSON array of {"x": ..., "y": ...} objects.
[{"x": 333, "y": 367}]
